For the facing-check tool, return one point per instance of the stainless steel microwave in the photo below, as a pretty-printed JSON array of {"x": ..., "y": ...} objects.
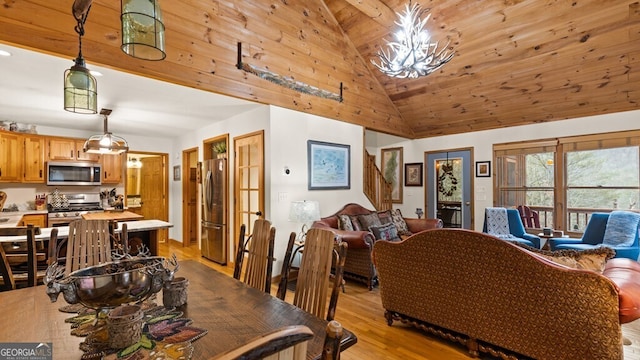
[{"x": 73, "y": 173}]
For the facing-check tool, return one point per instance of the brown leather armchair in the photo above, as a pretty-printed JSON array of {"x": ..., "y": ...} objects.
[{"x": 358, "y": 265}]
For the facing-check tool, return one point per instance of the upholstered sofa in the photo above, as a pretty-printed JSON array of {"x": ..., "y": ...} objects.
[
  {"x": 358, "y": 265},
  {"x": 494, "y": 296}
]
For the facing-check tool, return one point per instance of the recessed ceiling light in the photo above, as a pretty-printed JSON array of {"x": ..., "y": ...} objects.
[
  {"x": 95, "y": 73},
  {"x": 4, "y": 53}
]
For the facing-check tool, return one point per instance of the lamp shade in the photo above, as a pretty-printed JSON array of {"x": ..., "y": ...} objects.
[
  {"x": 105, "y": 143},
  {"x": 80, "y": 89},
  {"x": 142, "y": 29},
  {"x": 304, "y": 211}
]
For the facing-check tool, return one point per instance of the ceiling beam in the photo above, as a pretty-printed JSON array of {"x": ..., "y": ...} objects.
[{"x": 376, "y": 10}]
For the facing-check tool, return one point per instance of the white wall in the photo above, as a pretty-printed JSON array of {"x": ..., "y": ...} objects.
[
  {"x": 482, "y": 144},
  {"x": 290, "y": 131},
  {"x": 286, "y": 133}
]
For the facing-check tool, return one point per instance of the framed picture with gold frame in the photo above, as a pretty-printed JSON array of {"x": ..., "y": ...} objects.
[{"x": 391, "y": 161}]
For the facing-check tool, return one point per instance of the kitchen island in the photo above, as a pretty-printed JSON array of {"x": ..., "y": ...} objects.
[
  {"x": 145, "y": 230},
  {"x": 113, "y": 215}
]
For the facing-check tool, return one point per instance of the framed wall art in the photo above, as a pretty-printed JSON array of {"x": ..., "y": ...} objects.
[
  {"x": 391, "y": 160},
  {"x": 483, "y": 168},
  {"x": 329, "y": 165},
  {"x": 176, "y": 173},
  {"x": 413, "y": 174}
]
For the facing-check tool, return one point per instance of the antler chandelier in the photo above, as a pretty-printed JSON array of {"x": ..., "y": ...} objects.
[{"x": 412, "y": 54}]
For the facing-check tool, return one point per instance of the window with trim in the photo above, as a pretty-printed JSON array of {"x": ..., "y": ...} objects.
[{"x": 567, "y": 179}]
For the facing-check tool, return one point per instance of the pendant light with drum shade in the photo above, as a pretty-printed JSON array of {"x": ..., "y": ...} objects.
[
  {"x": 106, "y": 143},
  {"x": 80, "y": 88},
  {"x": 142, "y": 29}
]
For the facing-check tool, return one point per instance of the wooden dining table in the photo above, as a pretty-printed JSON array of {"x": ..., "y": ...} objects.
[{"x": 232, "y": 312}]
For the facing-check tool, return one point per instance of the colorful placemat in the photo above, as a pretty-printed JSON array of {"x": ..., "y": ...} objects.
[{"x": 165, "y": 335}]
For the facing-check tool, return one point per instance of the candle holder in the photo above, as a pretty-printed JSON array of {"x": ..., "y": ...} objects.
[
  {"x": 124, "y": 325},
  {"x": 174, "y": 292}
]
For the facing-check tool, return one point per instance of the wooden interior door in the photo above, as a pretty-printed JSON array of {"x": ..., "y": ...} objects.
[
  {"x": 153, "y": 191},
  {"x": 249, "y": 181},
  {"x": 190, "y": 226}
]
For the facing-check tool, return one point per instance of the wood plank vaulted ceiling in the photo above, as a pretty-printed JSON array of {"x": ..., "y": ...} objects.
[{"x": 516, "y": 62}]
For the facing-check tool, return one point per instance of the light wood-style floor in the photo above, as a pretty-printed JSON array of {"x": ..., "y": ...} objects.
[{"x": 360, "y": 311}]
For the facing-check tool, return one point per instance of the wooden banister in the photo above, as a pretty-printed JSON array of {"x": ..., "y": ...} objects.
[{"x": 376, "y": 188}]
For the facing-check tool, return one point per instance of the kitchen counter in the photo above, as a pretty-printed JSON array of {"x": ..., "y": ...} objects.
[
  {"x": 113, "y": 215},
  {"x": 14, "y": 217}
]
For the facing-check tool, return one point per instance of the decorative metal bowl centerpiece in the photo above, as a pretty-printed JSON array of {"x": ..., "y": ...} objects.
[{"x": 114, "y": 283}]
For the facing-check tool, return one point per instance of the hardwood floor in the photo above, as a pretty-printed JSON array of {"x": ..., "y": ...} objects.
[{"x": 360, "y": 311}]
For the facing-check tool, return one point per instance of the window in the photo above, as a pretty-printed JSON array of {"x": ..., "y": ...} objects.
[
  {"x": 525, "y": 175},
  {"x": 567, "y": 179}
]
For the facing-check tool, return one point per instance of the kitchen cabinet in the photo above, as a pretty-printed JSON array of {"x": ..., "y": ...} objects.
[
  {"x": 112, "y": 168},
  {"x": 34, "y": 158},
  {"x": 84, "y": 156},
  {"x": 69, "y": 149},
  {"x": 39, "y": 220},
  {"x": 11, "y": 147}
]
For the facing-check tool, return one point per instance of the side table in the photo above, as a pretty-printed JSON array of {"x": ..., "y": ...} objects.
[{"x": 547, "y": 245}]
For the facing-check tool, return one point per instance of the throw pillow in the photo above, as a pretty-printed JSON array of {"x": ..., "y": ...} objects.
[
  {"x": 589, "y": 259},
  {"x": 344, "y": 223},
  {"x": 369, "y": 220},
  {"x": 385, "y": 217},
  {"x": 355, "y": 223},
  {"x": 385, "y": 232},
  {"x": 398, "y": 221}
]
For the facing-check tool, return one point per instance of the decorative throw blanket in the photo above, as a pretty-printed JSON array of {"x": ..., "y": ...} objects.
[
  {"x": 621, "y": 229},
  {"x": 498, "y": 222}
]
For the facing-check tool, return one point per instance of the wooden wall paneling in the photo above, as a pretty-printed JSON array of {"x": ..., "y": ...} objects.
[{"x": 97, "y": 51}]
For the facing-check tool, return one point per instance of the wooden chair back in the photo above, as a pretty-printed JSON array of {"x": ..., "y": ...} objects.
[
  {"x": 31, "y": 257},
  {"x": 257, "y": 265},
  {"x": 530, "y": 218},
  {"x": 312, "y": 285},
  {"x": 89, "y": 244},
  {"x": 289, "y": 343}
]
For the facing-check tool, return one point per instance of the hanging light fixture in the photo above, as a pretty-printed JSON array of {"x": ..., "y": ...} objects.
[
  {"x": 80, "y": 88},
  {"x": 413, "y": 54},
  {"x": 142, "y": 29},
  {"x": 106, "y": 143}
]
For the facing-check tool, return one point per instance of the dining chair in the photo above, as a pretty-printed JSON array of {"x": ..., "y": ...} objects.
[
  {"x": 314, "y": 274},
  {"x": 88, "y": 244},
  {"x": 9, "y": 261},
  {"x": 288, "y": 343},
  {"x": 254, "y": 256}
]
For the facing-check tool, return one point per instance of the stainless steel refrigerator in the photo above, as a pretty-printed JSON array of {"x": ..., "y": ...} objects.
[{"x": 214, "y": 194}]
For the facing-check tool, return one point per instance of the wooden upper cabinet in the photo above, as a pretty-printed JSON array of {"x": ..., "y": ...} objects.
[
  {"x": 112, "y": 169},
  {"x": 11, "y": 146},
  {"x": 62, "y": 149},
  {"x": 69, "y": 149},
  {"x": 34, "y": 158},
  {"x": 83, "y": 156}
]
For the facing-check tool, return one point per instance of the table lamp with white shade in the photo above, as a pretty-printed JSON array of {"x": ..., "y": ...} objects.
[{"x": 304, "y": 211}]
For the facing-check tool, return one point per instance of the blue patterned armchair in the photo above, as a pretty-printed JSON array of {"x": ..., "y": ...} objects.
[
  {"x": 594, "y": 236},
  {"x": 516, "y": 228}
]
